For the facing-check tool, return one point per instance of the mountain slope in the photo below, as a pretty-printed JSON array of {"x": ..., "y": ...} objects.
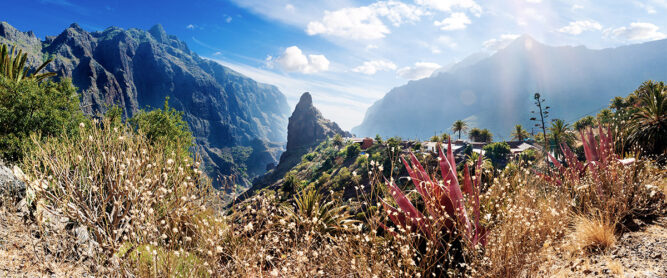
[
  {"x": 496, "y": 92},
  {"x": 306, "y": 130},
  {"x": 227, "y": 112}
]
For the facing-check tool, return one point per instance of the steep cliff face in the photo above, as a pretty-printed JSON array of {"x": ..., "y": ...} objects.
[
  {"x": 228, "y": 113},
  {"x": 307, "y": 128},
  {"x": 497, "y": 92}
]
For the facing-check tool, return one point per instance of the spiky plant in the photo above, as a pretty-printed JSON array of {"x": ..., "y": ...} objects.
[
  {"x": 444, "y": 215},
  {"x": 311, "y": 210},
  {"x": 12, "y": 65}
]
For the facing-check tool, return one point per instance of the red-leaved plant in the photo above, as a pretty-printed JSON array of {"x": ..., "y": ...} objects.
[
  {"x": 445, "y": 211},
  {"x": 599, "y": 155}
]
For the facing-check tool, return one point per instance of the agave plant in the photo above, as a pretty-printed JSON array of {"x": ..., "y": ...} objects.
[
  {"x": 444, "y": 208},
  {"x": 312, "y": 210},
  {"x": 599, "y": 154},
  {"x": 12, "y": 65}
]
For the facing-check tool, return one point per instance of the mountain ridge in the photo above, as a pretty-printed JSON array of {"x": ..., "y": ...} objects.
[
  {"x": 226, "y": 111},
  {"x": 496, "y": 92}
]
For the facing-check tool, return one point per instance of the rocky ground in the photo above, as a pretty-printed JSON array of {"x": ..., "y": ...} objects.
[
  {"x": 640, "y": 253},
  {"x": 21, "y": 252}
]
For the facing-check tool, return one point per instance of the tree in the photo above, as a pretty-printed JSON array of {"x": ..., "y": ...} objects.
[
  {"x": 27, "y": 107},
  {"x": 543, "y": 114},
  {"x": 560, "y": 133},
  {"x": 605, "y": 116},
  {"x": 485, "y": 136},
  {"x": 165, "y": 127},
  {"x": 444, "y": 137},
  {"x": 472, "y": 159},
  {"x": 12, "y": 65},
  {"x": 353, "y": 151},
  {"x": 497, "y": 151},
  {"x": 459, "y": 126},
  {"x": 378, "y": 138},
  {"x": 618, "y": 103},
  {"x": 648, "y": 126},
  {"x": 338, "y": 140},
  {"x": 435, "y": 138},
  {"x": 584, "y": 122},
  {"x": 475, "y": 134},
  {"x": 519, "y": 133}
]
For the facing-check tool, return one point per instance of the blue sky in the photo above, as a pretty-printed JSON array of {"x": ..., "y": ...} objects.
[{"x": 349, "y": 53}]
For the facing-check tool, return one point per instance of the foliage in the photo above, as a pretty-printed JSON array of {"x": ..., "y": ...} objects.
[
  {"x": 165, "y": 127},
  {"x": 435, "y": 138},
  {"x": 13, "y": 67},
  {"x": 124, "y": 190},
  {"x": 584, "y": 122},
  {"x": 480, "y": 135},
  {"x": 27, "y": 107},
  {"x": 559, "y": 133},
  {"x": 445, "y": 214},
  {"x": 313, "y": 212},
  {"x": 605, "y": 117},
  {"x": 520, "y": 133},
  {"x": 497, "y": 151},
  {"x": 648, "y": 125},
  {"x": 459, "y": 126},
  {"x": 338, "y": 141},
  {"x": 352, "y": 151}
]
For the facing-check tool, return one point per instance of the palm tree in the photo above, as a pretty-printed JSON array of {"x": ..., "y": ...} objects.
[
  {"x": 459, "y": 126},
  {"x": 474, "y": 134},
  {"x": 472, "y": 159},
  {"x": 584, "y": 122},
  {"x": 618, "y": 103},
  {"x": 12, "y": 65},
  {"x": 519, "y": 133},
  {"x": 486, "y": 136},
  {"x": 605, "y": 116},
  {"x": 649, "y": 123},
  {"x": 560, "y": 133}
]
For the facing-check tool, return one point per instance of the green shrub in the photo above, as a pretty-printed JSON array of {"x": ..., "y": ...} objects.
[
  {"x": 353, "y": 151},
  {"x": 497, "y": 151},
  {"x": 26, "y": 107},
  {"x": 165, "y": 127}
]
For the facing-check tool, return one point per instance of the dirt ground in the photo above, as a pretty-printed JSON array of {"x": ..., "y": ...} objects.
[{"x": 640, "y": 253}]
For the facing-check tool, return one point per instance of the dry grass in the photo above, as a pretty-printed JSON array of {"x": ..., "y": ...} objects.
[
  {"x": 155, "y": 215},
  {"x": 593, "y": 234}
]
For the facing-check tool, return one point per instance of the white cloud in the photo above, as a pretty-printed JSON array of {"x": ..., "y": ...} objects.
[
  {"x": 371, "y": 47},
  {"x": 580, "y": 26},
  {"x": 577, "y": 7},
  {"x": 217, "y": 53},
  {"x": 534, "y": 1},
  {"x": 364, "y": 23},
  {"x": 191, "y": 26},
  {"x": 228, "y": 19},
  {"x": 419, "y": 71},
  {"x": 372, "y": 67},
  {"x": 290, "y": 8},
  {"x": 450, "y": 5},
  {"x": 293, "y": 60},
  {"x": 446, "y": 41},
  {"x": 456, "y": 21},
  {"x": 499, "y": 43},
  {"x": 638, "y": 31}
]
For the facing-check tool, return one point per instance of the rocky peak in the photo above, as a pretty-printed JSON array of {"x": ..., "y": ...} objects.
[
  {"x": 307, "y": 127},
  {"x": 159, "y": 33}
]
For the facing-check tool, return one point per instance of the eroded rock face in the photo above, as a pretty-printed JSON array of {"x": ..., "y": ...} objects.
[
  {"x": 307, "y": 128},
  {"x": 135, "y": 69}
]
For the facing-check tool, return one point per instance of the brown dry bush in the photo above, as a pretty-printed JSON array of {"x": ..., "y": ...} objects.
[{"x": 144, "y": 207}]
